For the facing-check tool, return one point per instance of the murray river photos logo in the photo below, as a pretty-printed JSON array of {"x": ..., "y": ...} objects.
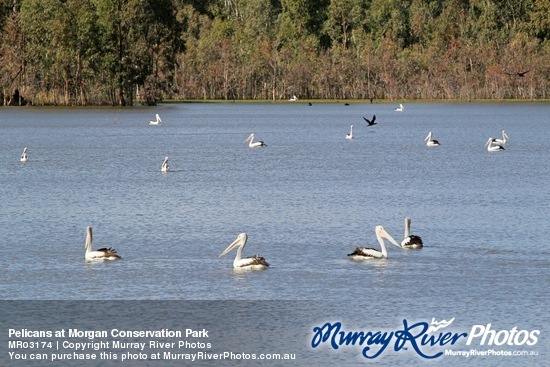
[{"x": 426, "y": 339}]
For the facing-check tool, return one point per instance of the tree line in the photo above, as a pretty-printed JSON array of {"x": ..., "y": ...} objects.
[{"x": 122, "y": 52}]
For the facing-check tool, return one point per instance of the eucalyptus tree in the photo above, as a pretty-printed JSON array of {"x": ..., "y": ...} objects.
[
  {"x": 255, "y": 40},
  {"x": 136, "y": 37},
  {"x": 59, "y": 48}
]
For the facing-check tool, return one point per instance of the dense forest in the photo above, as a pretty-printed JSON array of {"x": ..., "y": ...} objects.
[{"x": 123, "y": 52}]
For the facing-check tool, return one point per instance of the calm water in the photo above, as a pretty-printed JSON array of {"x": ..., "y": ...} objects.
[{"x": 306, "y": 201}]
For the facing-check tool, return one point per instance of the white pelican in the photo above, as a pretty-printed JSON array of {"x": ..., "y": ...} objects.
[
  {"x": 252, "y": 144},
  {"x": 350, "y": 135},
  {"x": 493, "y": 148},
  {"x": 165, "y": 167},
  {"x": 410, "y": 240},
  {"x": 430, "y": 142},
  {"x": 24, "y": 157},
  {"x": 101, "y": 254},
  {"x": 401, "y": 108},
  {"x": 362, "y": 253},
  {"x": 158, "y": 121},
  {"x": 503, "y": 140},
  {"x": 293, "y": 99},
  {"x": 252, "y": 263}
]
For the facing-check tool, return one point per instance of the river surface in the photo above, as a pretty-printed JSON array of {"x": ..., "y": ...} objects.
[{"x": 306, "y": 201}]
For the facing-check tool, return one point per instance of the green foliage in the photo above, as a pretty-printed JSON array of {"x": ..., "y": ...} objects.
[{"x": 123, "y": 51}]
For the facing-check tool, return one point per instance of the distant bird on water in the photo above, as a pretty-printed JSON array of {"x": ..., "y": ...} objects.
[
  {"x": 293, "y": 99},
  {"x": 503, "y": 140},
  {"x": 157, "y": 121},
  {"x": 493, "y": 148},
  {"x": 401, "y": 108},
  {"x": 254, "y": 144},
  {"x": 430, "y": 142},
  {"x": 350, "y": 135},
  {"x": 410, "y": 240},
  {"x": 165, "y": 167},
  {"x": 101, "y": 254},
  {"x": 24, "y": 157},
  {"x": 370, "y": 122},
  {"x": 252, "y": 263}
]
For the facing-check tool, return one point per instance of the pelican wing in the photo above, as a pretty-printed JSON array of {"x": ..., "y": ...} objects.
[
  {"x": 366, "y": 252},
  {"x": 252, "y": 261},
  {"x": 413, "y": 241},
  {"x": 108, "y": 252}
]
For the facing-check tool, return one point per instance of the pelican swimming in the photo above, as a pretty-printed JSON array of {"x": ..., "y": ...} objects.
[
  {"x": 165, "y": 167},
  {"x": 101, "y": 254},
  {"x": 370, "y": 122},
  {"x": 293, "y": 99},
  {"x": 430, "y": 142},
  {"x": 493, "y": 148},
  {"x": 401, "y": 108},
  {"x": 158, "y": 121},
  {"x": 362, "y": 253},
  {"x": 503, "y": 140},
  {"x": 253, "y": 263},
  {"x": 24, "y": 157},
  {"x": 410, "y": 240},
  {"x": 252, "y": 144},
  {"x": 350, "y": 135}
]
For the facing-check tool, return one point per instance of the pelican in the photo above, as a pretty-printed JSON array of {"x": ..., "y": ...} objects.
[
  {"x": 350, "y": 135},
  {"x": 370, "y": 122},
  {"x": 493, "y": 148},
  {"x": 165, "y": 167},
  {"x": 252, "y": 144},
  {"x": 24, "y": 157},
  {"x": 101, "y": 254},
  {"x": 430, "y": 142},
  {"x": 362, "y": 253},
  {"x": 401, "y": 108},
  {"x": 410, "y": 240},
  {"x": 503, "y": 140},
  {"x": 253, "y": 263},
  {"x": 293, "y": 99},
  {"x": 158, "y": 121}
]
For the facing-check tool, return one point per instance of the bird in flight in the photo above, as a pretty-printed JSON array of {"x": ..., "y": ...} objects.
[{"x": 370, "y": 122}]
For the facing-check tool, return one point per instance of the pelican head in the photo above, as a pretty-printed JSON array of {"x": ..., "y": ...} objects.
[
  {"x": 489, "y": 141},
  {"x": 89, "y": 238},
  {"x": 249, "y": 138},
  {"x": 382, "y": 233},
  {"x": 240, "y": 241},
  {"x": 504, "y": 134},
  {"x": 429, "y": 137}
]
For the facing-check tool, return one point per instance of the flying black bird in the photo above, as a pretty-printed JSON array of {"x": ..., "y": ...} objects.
[{"x": 370, "y": 122}]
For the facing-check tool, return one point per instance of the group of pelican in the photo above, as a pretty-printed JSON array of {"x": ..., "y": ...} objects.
[
  {"x": 257, "y": 262},
  {"x": 409, "y": 242},
  {"x": 250, "y": 140},
  {"x": 493, "y": 145},
  {"x": 496, "y": 145}
]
